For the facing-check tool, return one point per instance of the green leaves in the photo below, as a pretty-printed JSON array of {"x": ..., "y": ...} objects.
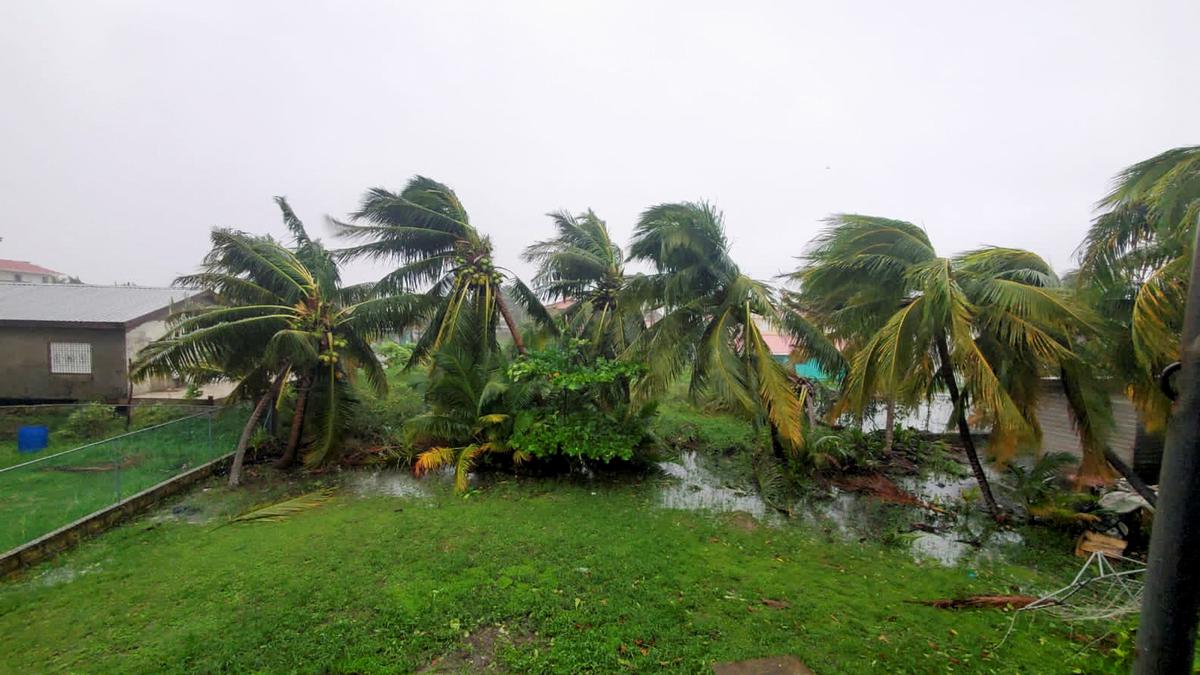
[
  {"x": 710, "y": 319},
  {"x": 446, "y": 274},
  {"x": 1133, "y": 270}
]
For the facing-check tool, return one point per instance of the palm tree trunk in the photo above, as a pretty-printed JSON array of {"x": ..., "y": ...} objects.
[
  {"x": 512, "y": 325},
  {"x": 289, "y": 453},
  {"x": 889, "y": 433},
  {"x": 239, "y": 455},
  {"x": 777, "y": 448},
  {"x": 964, "y": 429}
]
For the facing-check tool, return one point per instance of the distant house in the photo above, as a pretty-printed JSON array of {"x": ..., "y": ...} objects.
[
  {"x": 781, "y": 347},
  {"x": 21, "y": 271},
  {"x": 70, "y": 342}
]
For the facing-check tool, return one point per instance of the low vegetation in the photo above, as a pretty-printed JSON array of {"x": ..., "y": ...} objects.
[{"x": 525, "y": 576}]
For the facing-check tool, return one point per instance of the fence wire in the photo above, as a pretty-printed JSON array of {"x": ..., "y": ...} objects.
[{"x": 75, "y": 476}]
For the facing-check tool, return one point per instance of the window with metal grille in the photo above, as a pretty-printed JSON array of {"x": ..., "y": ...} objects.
[{"x": 71, "y": 358}]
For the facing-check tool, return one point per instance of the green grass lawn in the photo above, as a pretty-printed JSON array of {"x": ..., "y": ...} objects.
[
  {"x": 38, "y": 498},
  {"x": 523, "y": 576}
]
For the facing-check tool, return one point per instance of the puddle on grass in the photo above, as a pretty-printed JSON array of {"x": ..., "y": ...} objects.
[
  {"x": 387, "y": 484},
  {"x": 699, "y": 489},
  {"x": 182, "y": 513},
  {"x": 959, "y": 537},
  {"x": 64, "y": 575}
]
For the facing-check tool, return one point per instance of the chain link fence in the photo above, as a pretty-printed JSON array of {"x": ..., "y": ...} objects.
[{"x": 74, "y": 476}]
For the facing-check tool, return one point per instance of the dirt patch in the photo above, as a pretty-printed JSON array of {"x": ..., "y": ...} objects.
[
  {"x": 478, "y": 654},
  {"x": 743, "y": 521}
]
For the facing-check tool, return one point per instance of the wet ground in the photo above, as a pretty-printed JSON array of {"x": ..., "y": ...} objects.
[
  {"x": 960, "y": 536},
  {"x": 695, "y": 483}
]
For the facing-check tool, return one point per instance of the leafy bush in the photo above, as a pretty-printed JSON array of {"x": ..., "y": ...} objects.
[
  {"x": 845, "y": 450},
  {"x": 1034, "y": 485},
  {"x": 586, "y": 433},
  {"x": 90, "y": 422},
  {"x": 579, "y": 405},
  {"x": 151, "y": 415},
  {"x": 379, "y": 420},
  {"x": 853, "y": 449}
]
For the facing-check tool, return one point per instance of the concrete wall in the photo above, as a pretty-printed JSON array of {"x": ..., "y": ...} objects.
[
  {"x": 25, "y": 364},
  {"x": 138, "y": 337},
  {"x": 1057, "y": 433},
  {"x": 28, "y": 277}
]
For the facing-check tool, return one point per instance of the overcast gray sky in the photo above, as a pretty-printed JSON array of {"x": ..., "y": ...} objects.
[{"x": 129, "y": 129}]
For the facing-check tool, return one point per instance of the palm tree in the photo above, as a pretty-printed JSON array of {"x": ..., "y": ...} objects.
[
  {"x": 584, "y": 266},
  {"x": 445, "y": 266},
  {"x": 282, "y": 314},
  {"x": 709, "y": 326},
  {"x": 979, "y": 327},
  {"x": 1133, "y": 268},
  {"x": 832, "y": 307},
  {"x": 473, "y": 411}
]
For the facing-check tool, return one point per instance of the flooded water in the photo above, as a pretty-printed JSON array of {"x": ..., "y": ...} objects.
[
  {"x": 387, "y": 484},
  {"x": 954, "y": 538},
  {"x": 698, "y": 489}
]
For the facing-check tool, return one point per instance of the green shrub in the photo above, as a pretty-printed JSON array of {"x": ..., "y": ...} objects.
[
  {"x": 584, "y": 433},
  {"x": 90, "y": 422},
  {"x": 579, "y": 405},
  {"x": 152, "y": 415},
  {"x": 681, "y": 426},
  {"x": 379, "y": 420}
]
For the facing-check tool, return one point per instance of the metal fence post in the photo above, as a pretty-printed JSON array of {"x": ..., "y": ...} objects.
[{"x": 117, "y": 470}]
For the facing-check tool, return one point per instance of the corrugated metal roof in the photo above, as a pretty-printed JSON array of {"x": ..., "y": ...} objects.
[{"x": 77, "y": 303}]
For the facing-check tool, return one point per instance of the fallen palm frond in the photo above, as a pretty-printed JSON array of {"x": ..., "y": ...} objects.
[
  {"x": 1001, "y": 601},
  {"x": 772, "y": 486},
  {"x": 884, "y": 489},
  {"x": 286, "y": 509}
]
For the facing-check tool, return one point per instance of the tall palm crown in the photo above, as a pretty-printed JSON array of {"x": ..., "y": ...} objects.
[
  {"x": 709, "y": 324},
  {"x": 983, "y": 326},
  {"x": 280, "y": 312},
  {"x": 583, "y": 265},
  {"x": 1134, "y": 266},
  {"x": 835, "y": 301},
  {"x": 445, "y": 265}
]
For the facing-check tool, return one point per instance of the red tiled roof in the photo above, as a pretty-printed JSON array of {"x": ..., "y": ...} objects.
[
  {"x": 24, "y": 267},
  {"x": 779, "y": 344}
]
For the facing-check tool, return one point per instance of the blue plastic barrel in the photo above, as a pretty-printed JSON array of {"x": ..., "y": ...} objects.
[{"x": 32, "y": 438}]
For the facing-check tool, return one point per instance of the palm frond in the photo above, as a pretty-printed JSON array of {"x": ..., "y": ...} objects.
[{"x": 283, "y": 510}]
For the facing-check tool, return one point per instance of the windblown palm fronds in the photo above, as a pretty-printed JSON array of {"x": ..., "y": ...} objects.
[
  {"x": 584, "y": 266},
  {"x": 710, "y": 320},
  {"x": 983, "y": 326},
  {"x": 1133, "y": 269},
  {"x": 455, "y": 291},
  {"x": 281, "y": 313},
  {"x": 473, "y": 410}
]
